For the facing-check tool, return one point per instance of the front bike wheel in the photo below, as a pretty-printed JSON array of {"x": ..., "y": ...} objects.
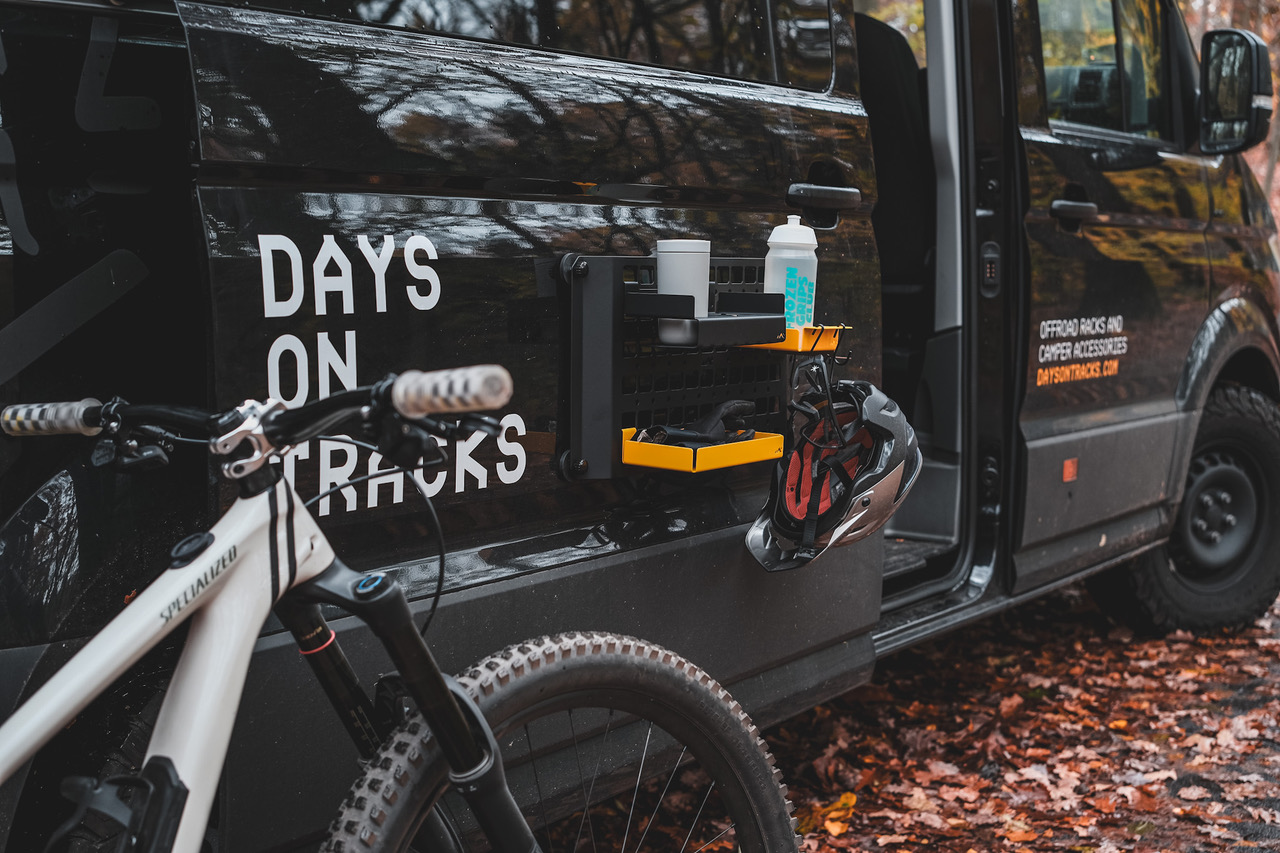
[{"x": 609, "y": 743}]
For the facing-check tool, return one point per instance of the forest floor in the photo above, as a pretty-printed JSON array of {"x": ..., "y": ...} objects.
[{"x": 1048, "y": 728}]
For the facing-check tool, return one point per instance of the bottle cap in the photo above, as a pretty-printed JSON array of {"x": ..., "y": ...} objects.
[{"x": 794, "y": 234}]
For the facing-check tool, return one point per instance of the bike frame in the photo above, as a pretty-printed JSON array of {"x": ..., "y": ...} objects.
[{"x": 264, "y": 545}]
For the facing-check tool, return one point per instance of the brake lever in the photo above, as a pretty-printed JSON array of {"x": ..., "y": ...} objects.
[
  {"x": 464, "y": 427},
  {"x": 409, "y": 444},
  {"x": 134, "y": 449},
  {"x": 128, "y": 456},
  {"x": 469, "y": 424}
]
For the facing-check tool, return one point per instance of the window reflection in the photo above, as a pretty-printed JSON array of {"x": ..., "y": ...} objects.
[
  {"x": 905, "y": 16},
  {"x": 723, "y": 37},
  {"x": 1105, "y": 65}
]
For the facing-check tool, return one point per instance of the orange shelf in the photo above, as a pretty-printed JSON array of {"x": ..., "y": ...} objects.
[
  {"x": 807, "y": 339},
  {"x": 766, "y": 445}
]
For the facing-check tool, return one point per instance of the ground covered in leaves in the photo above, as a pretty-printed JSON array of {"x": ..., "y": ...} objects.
[{"x": 1048, "y": 729}]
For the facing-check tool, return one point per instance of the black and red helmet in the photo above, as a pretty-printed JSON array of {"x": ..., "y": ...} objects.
[{"x": 854, "y": 459}]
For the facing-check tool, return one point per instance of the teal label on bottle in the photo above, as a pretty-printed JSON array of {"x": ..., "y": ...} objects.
[{"x": 799, "y": 299}]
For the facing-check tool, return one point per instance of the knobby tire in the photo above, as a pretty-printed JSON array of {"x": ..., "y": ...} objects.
[{"x": 610, "y": 743}]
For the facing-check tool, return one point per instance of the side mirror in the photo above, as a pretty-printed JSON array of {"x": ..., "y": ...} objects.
[{"x": 1235, "y": 91}]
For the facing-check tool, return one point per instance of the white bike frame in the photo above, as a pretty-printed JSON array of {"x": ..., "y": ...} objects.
[{"x": 263, "y": 547}]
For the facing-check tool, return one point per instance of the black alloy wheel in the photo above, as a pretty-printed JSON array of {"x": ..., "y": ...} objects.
[
  {"x": 1217, "y": 528},
  {"x": 1221, "y": 566}
]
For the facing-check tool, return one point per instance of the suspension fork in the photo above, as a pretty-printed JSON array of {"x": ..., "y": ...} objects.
[{"x": 460, "y": 730}]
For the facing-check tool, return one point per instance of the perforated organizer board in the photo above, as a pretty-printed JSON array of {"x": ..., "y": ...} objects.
[{"x": 622, "y": 377}]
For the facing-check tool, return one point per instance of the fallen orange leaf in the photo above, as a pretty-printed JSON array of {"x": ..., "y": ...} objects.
[
  {"x": 1106, "y": 805},
  {"x": 835, "y": 827}
]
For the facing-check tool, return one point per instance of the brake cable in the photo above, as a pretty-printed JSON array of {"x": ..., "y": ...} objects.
[{"x": 431, "y": 512}]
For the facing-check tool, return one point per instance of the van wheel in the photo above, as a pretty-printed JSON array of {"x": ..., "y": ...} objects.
[{"x": 1221, "y": 567}]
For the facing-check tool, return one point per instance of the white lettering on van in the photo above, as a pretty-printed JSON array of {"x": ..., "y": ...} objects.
[
  {"x": 378, "y": 263},
  {"x": 298, "y": 378},
  {"x": 329, "y": 361},
  {"x": 393, "y": 478},
  {"x": 332, "y": 474},
  {"x": 299, "y": 371},
  {"x": 511, "y": 472},
  {"x": 272, "y": 305},
  {"x": 326, "y": 282},
  {"x": 422, "y": 272}
]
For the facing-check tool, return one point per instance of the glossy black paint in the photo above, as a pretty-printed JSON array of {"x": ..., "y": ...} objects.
[
  {"x": 99, "y": 294},
  {"x": 505, "y": 158},
  {"x": 1133, "y": 270}
]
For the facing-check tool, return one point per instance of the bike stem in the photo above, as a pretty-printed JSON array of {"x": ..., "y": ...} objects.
[{"x": 460, "y": 730}]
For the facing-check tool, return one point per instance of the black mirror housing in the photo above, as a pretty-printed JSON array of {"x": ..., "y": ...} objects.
[{"x": 1235, "y": 91}]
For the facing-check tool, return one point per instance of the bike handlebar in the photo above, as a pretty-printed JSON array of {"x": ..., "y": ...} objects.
[
  {"x": 414, "y": 394},
  {"x": 53, "y": 418}
]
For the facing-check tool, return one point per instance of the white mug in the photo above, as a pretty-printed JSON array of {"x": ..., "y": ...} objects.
[{"x": 684, "y": 267}]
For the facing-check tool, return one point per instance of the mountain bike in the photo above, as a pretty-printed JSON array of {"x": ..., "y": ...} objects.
[{"x": 552, "y": 743}]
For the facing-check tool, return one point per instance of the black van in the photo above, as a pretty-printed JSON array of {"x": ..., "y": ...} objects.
[{"x": 1034, "y": 232}]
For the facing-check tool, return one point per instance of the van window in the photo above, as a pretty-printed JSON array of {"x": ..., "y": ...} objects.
[
  {"x": 905, "y": 16},
  {"x": 723, "y": 37},
  {"x": 804, "y": 40},
  {"x": 1104, "y": 64}
]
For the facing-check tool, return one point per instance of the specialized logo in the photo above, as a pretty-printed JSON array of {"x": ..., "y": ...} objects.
[{"x": 199, "y": 585}]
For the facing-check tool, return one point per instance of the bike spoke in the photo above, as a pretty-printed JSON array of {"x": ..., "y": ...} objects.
[
  {"x": 653, "y": 818},
  {"x": 595, "y": 773},
  {"x": 626, "y": 833},
  {"x": 717, "y": 837},
  {"x": 694, "y": 825},
  {"x": 537, "y": 784}
]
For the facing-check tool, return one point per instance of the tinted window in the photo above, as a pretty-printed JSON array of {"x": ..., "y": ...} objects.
[
  {"x": 804, "y": 39},
  {"x": 1105, "y": 64},
  {"x": 905, "y": 16},
  {"x": 723, "y": 37}
]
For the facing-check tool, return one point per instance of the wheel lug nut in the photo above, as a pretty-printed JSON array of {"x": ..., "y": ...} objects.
[
  {"x": 1224, "y": 498},
  {"x": 1206, "y": 500},
  {"x": 1215, "y": 537},
  {"x": 1229, "y": 520},
  {"x": 1201, "y": 525}
]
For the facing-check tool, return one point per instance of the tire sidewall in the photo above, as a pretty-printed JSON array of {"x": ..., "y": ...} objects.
[
  {"x": 388, "y": 803},
  {"x": 1245, "y": 425}
]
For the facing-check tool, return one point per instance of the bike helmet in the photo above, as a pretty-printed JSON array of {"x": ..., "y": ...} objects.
[{"x": 854, "y": 460}]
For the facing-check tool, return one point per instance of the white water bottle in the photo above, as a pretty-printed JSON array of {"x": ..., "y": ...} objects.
[{"x": 791, "y": 267}]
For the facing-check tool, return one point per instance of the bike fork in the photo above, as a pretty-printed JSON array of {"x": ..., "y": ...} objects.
[{"x": 463, "y": 735}]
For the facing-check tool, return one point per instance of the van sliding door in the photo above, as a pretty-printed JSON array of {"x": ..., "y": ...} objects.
[{"x": 1118, "y": 278}]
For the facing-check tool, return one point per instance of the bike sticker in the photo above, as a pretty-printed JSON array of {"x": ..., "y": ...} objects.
[{"x": 199, "y": 585}]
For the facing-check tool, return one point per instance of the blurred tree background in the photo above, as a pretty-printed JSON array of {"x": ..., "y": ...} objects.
[
  {"x": 651, "y": 30},
  {"x": 1263, "y": 17}
]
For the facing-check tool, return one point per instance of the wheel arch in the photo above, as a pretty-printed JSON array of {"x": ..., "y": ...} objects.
[{"x": 1235, "y": 344}]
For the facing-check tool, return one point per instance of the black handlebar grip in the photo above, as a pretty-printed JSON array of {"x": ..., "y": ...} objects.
[
  {"x": 52, "y": 418},
  {"x": 416, "y": 394}
]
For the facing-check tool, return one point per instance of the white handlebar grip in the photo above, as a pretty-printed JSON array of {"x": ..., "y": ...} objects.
[
  {"x": 49, "y": 418},
  {"x": 416, "y": 394}
]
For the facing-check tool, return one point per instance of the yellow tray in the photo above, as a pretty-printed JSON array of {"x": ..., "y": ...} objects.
[
  {"x": 807, "y": 339},
  {"x": 766, "y": 445}
]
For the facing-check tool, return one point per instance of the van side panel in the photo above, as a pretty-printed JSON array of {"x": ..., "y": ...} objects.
[
  {"x": 1244, "y": 259},
  {"x": 375, "y": 199},
  {"x": 1115, "y": 305},
  {"x": 410, "y": 210}
]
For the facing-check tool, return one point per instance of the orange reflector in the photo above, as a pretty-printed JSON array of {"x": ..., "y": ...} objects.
[{"x": 1070, "y": 467}]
